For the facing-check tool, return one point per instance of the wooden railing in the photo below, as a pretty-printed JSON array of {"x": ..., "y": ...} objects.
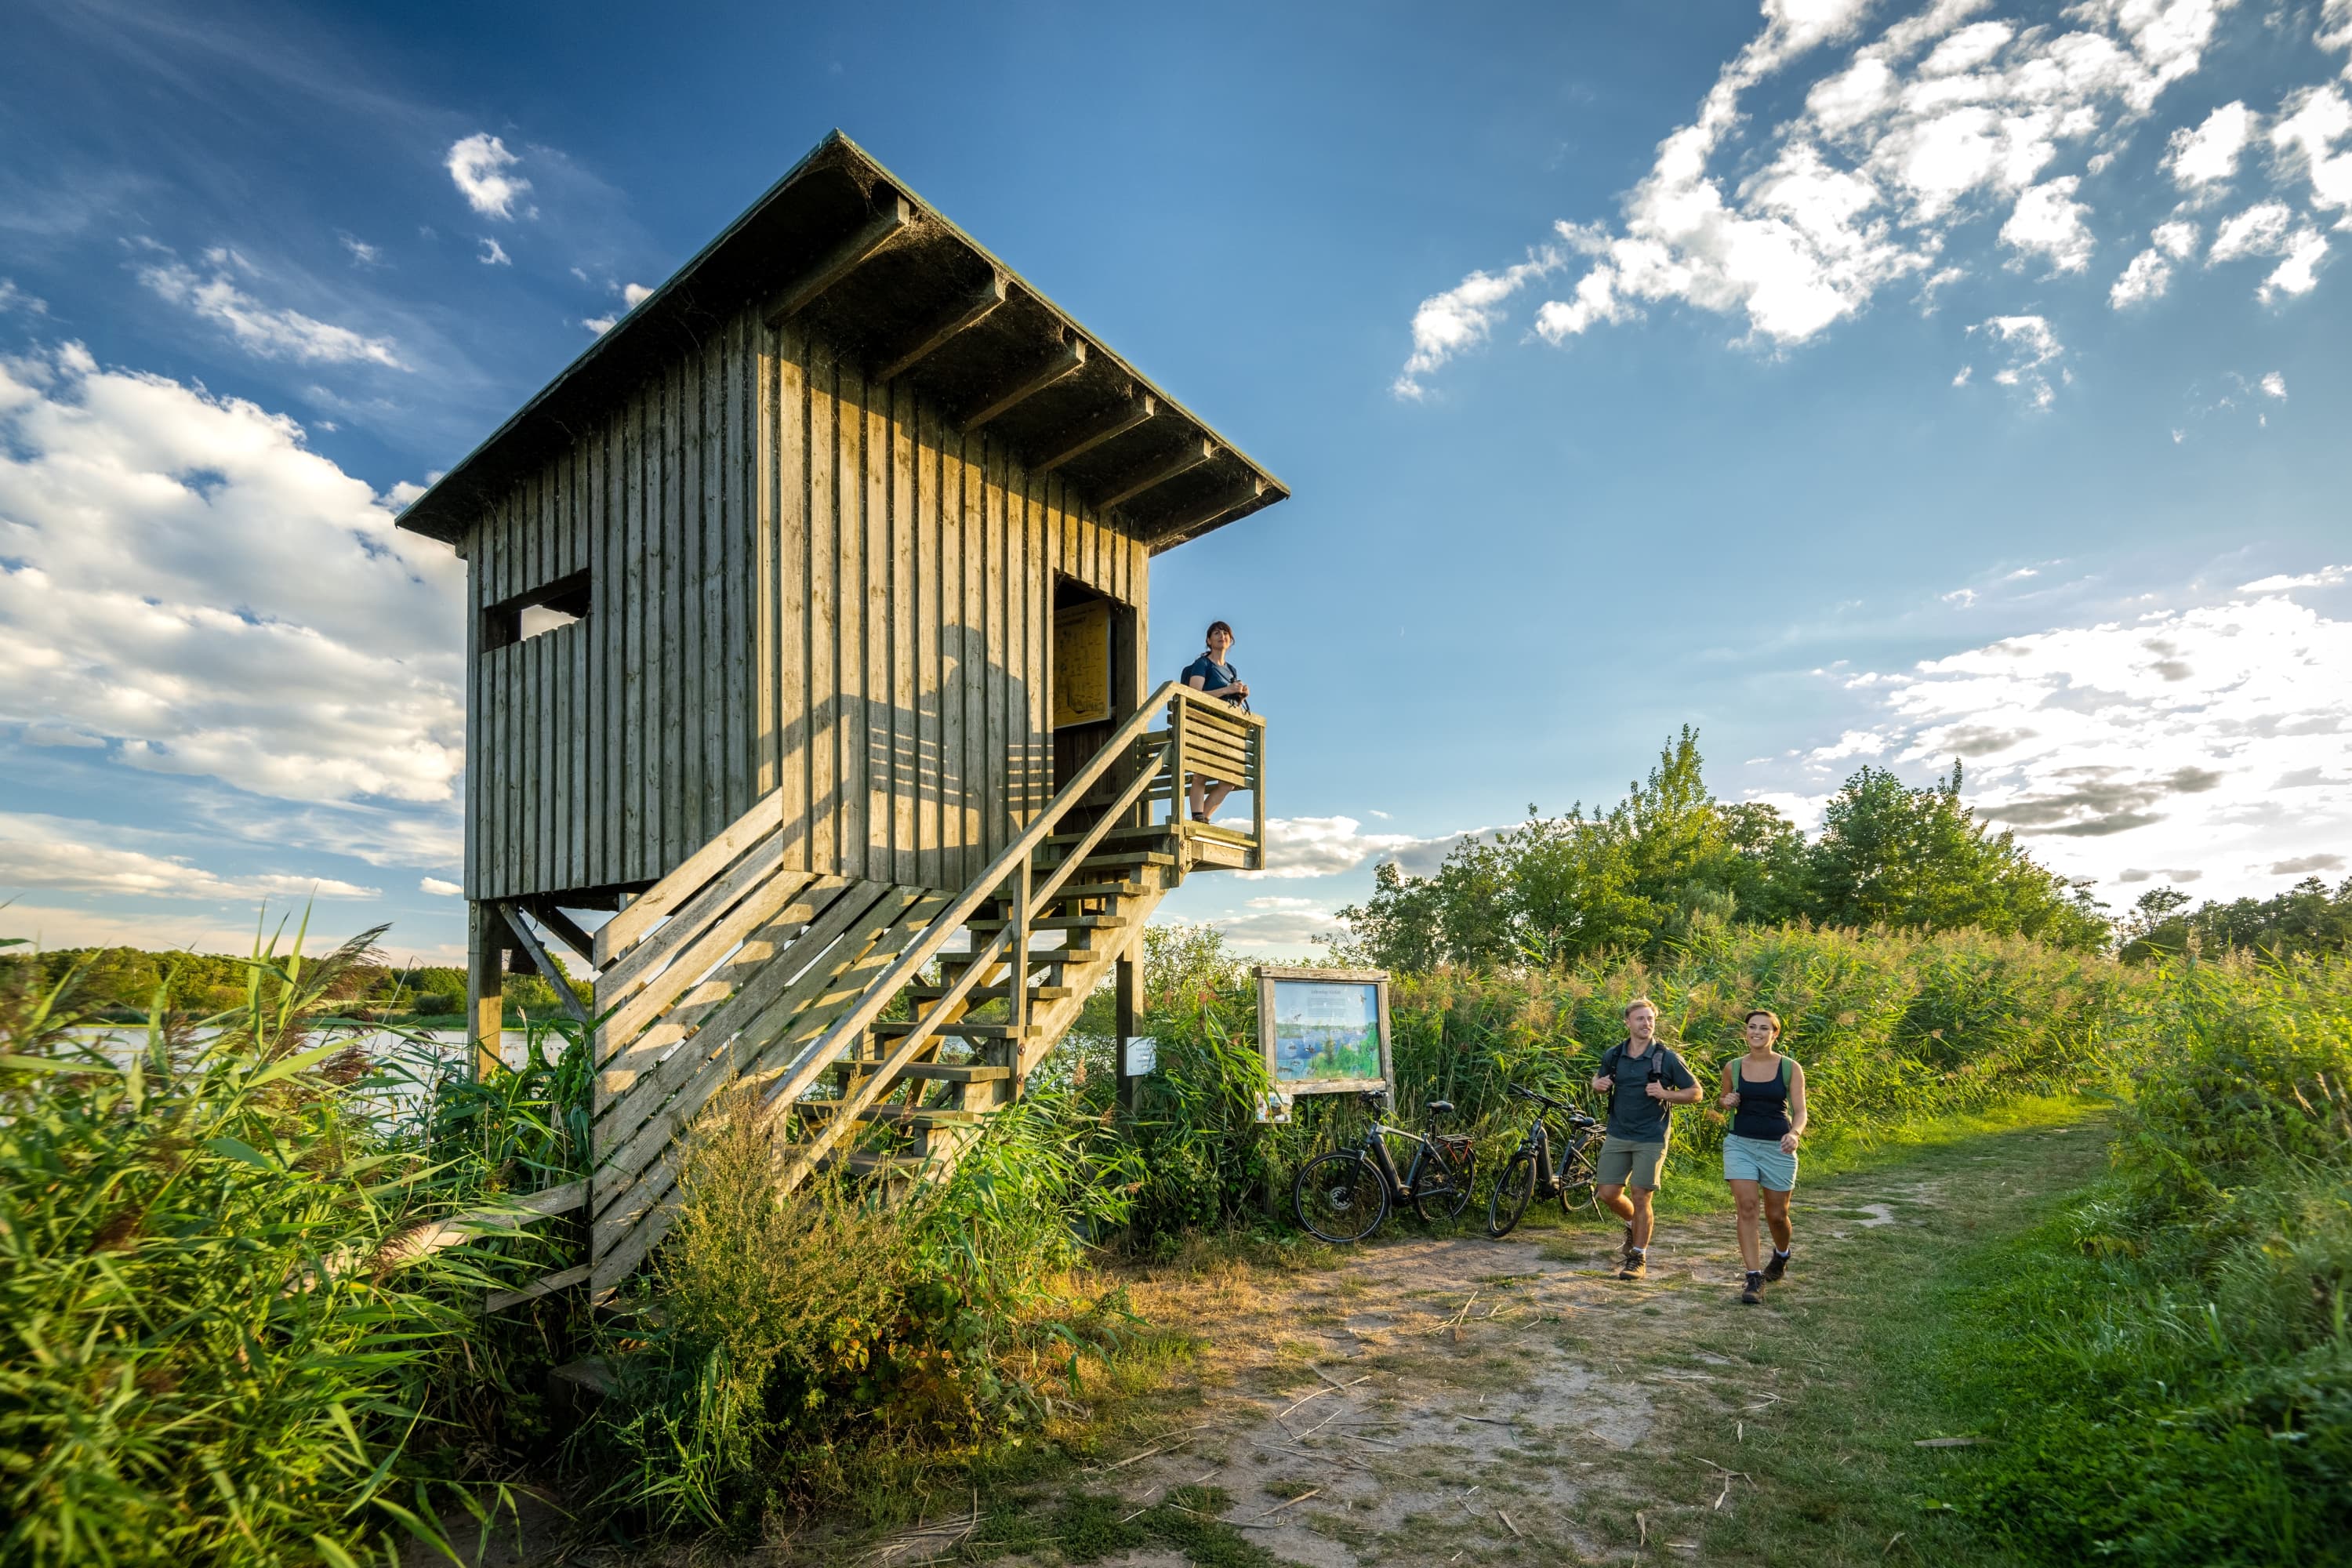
[{"x": 1218, "y": 740}]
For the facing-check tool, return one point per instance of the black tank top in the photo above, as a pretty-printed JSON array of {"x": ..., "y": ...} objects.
[{"x": 1763, "y": 1107}]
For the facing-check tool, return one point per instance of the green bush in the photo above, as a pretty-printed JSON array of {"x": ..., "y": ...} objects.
[
  {"x": 801, "y": 1346},
  {"x": 2170, "y": 1364}
]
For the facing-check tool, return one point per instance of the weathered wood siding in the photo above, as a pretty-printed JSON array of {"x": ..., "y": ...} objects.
[{"x": 798, "y": 578}]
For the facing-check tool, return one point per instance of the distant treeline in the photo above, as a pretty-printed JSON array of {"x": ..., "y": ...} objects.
[
  {"x": 1635, "y": 878},
  {"x": 125, "y": 979},
  {"x": 2306, "y": 918},
  {"x": 1638, "y": 876}
]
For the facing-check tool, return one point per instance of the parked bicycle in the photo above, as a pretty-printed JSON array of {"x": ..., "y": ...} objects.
[
  {"x": 1530, "y": 1173},
  {"x": 1343, "y": 1195}
]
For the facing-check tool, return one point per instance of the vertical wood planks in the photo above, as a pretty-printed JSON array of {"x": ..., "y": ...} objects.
[
  {"x": 828, "y": 851},
  {"x": 785, "y": 664},
  {"x": 800, "y": 582}
]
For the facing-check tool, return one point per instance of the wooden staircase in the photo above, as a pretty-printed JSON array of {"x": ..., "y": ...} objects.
[{"x": 736, "y": 969}]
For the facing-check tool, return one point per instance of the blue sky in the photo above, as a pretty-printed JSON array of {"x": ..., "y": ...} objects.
[{"x": 1860, "y": 383}]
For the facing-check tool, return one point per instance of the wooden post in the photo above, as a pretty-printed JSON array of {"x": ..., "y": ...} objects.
[
  {"x": 485, "y": 952},
  {"x": 1017, "y": 995},
  {"x": 1127, "y": 1013},
  {"x": 1180, "y": 813},
  {"x": 1255, "y": 738}
]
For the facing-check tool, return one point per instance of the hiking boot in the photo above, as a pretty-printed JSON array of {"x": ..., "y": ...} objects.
[
  {"x": 1637, "y": 1264},
  {"x": 1625, "y": 1248},
  {"x": 1777, "y": 1266},
  {"x": 1754, "y": 1294}
]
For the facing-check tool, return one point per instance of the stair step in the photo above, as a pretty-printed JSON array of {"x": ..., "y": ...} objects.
[
  {"x": 966, "y": 1031},
  {"x": 1102, "y": 890},
  {"x": 955, "y": 1072},
  {"x": 1057, "y": 922},
  {"x": 991, "y": 992},
  {"x": 867, "y": 1164},
  {"x": 1113, "y": 835},
  {"x": 899, "y": 1115},
  {"x": 1106, "y": 858}
]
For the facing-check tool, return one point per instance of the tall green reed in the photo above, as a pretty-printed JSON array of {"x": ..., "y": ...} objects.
[{"x": 214, "y": 1346}]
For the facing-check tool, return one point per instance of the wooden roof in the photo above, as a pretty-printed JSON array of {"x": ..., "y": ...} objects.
[{"x": 842, "y": 250}]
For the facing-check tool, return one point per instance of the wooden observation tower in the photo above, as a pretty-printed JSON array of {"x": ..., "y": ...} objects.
[{"x": 806, "y": 673}]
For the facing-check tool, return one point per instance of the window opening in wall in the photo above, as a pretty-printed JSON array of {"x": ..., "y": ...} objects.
[{"x": 534, "y": 614}]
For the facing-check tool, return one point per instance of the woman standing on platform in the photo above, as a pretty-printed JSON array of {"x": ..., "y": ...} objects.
[
  {"x": 1213, "y": 676},
  {"x": 1765, "y": 1092}
]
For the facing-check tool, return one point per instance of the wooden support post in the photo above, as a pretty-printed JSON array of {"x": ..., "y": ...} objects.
[
  {"x": 549, "y": 969},
  {"x": 1257, "y": 741},
  {"x": 1128, "y": 1011},
  {"x": 486, "y": 954},
  {"x": 1180, "y": 798},
  {"x": 1016, "y": 995}
]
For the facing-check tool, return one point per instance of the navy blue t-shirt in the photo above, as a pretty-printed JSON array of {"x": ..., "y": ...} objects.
[{"x": 1214, "y": 676}]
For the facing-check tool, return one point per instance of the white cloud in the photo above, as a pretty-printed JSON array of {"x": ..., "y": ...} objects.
[
  {"x": 1324, "y": 846},
  {"x": 363, "y": 253},
  {"x": 2145, "y": 278},
  {"x": 479, "y": 165},
  {"x": 2208, "y": 154},
  {"x": 494, "y": 253},
  {"x": 599, "y": 325},
  {"x": 440, "y": 888},
  {"x": 1913, "y": 135},
  {"x": 2299, "y": 273},
  {"x": 39, "y": 851},
  {"x": 265, "y": 331},
  {"x": 2274, "y": 386},
  {"x": 2030, "y": 348},
  {"x": 15, "y": 298},
  {"x": 2309, "y": 126},
  {"x": 635, "y": 294},
  {"x": 2177, "y": 239},
  {"x": 169, "y": 930},
  {"x": 180, "y": 576},
  {"x": 1961, "y": 597},
  {"x": 2259, "y": 230},
  {"x": 1463, "y": 316},
  {"x": 2156, "y": 742},
  {"x": 2326, "y": 577},
  {"x": 2048, "y": 221}
]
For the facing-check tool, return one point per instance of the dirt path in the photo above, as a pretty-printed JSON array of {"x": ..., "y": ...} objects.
[{"x": 1455, "y": 1400}]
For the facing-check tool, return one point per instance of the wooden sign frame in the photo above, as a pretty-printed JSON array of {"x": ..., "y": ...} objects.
[{"x": 1270, "y": 976}]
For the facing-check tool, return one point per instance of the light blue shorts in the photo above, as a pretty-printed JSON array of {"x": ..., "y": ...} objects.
[{"x": 1758, "y": 1160}]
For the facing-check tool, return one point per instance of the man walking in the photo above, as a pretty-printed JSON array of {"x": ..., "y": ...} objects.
[{"x": 1644, "y": 1081}]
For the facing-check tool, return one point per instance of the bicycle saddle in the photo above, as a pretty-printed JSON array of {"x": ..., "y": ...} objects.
[{"x": 1440, "y": 1108}]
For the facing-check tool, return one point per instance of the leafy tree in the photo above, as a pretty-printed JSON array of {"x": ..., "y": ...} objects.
[{"x": 1890, "y": 854}]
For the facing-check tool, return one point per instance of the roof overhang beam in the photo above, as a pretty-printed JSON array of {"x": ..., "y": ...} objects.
[
  {"x": 1239, "y": 496},
  {"x": 1067, "y": 360},
  {"x": 981, "y": 305},
  {"x": 1193, "y": 455},
  {"x": 892, "y": 216},
  {"x": 1118, "y": 422}
]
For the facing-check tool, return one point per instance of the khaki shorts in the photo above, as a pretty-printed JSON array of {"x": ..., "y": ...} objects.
[{"x": 1625, "y": 1163}]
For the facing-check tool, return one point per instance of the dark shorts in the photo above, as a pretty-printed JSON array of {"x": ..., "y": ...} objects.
[{"x": 1625, "y": 1163}]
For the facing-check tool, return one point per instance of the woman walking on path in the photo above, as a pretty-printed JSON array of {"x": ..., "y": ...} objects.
[{"x": 1765, "y": 1092}]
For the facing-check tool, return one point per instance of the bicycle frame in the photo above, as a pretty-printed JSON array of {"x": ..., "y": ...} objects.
[{"x": 1376, "y": 1149}]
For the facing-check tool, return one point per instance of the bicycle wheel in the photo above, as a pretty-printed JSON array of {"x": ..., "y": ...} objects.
[
  {"x": 1444, "y": 1196},
  {"x": 1576, "y": 1182},
  {"x": 1513, "y": 1188},
  {"x": 1340, "y": 1196}
]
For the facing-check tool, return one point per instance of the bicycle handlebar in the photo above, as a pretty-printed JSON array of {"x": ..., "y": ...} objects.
[{"x": 1574, "y": 1114}]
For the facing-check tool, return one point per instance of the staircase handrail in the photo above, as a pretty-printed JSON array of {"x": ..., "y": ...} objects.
[{"x": 910, "y": 963}]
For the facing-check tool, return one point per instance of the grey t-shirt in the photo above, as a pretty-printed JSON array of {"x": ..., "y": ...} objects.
[{"x": 1632, "y": 1114}]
